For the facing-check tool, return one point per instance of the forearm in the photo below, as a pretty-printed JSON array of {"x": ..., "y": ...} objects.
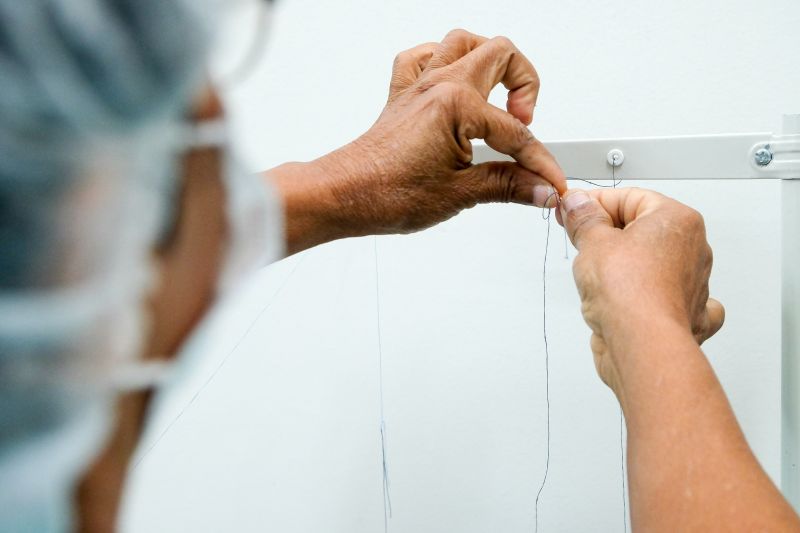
[
  {"x": 323, "y": 199},
  {"x": 308, "y": 205},
  {"x": 690, "y": 467}
]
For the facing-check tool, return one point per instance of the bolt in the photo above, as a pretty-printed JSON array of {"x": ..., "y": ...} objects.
[{"x": 763, "y": 156}]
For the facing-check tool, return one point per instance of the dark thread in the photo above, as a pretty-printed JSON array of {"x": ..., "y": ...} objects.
[
  {"x": 622, "y": 465},
  {"x": 614, "y": 183},
  {"x": 387, "y": 500},
  {"x": 594, "y": 183},
  {"x": 546, "y": 213},
  {"x": 546, "y": 216},
  {"x": 621, "y": 414},
  {"x": 614, "y": 180},
  {"x": 216, "y": 370}
]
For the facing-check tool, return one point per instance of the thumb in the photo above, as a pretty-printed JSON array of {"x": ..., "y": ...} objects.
[
  {"x": 501, "y": 181},
  {"x": 583, "y": 216}
]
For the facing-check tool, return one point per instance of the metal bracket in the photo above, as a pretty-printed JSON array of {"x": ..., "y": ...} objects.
[
  {"x": 778, "y": 157},
  {"x": 726, "y": 156}
]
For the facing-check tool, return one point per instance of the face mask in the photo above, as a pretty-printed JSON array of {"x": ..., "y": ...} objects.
[
  {"x": 253, "y": 211},
  {"x": 70, "y": 339},
  {"x": 254, "y": 222},
  {"x": 57, "y": 391},
  {"x": 68, "y": 349}
]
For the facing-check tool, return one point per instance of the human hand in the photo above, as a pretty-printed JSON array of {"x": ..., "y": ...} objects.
[
  {"x": 643, "y": 267},
  {"x": 413, "y": 168}
]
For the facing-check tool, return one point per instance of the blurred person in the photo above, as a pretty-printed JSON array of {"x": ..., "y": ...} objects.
[{"x": 125, "y": 216}]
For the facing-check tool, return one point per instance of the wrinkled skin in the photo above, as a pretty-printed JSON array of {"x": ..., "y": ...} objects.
[
  {"x": 642, "y": 256},
  {"x": 413, "y": 168},
  {"x": 410, "y": 171},
  {"x": 642, "y": 272}
]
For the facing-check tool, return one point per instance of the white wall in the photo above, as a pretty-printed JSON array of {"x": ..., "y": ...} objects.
[{"x": 275, "y": 425}]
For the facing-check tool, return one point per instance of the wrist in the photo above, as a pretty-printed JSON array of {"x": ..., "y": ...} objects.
[
  {"x": 632, "y": 309},
  {"x": 644, "y": 348},
  {"x": 328, "y": 198},
  {"x": 310, "y": 209}
]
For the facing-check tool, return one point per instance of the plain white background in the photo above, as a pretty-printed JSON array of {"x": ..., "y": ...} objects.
[{"x": 274, "y": 424}]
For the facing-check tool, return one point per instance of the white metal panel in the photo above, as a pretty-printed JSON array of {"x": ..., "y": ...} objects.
[
  {"x": 654, "y": 158},
  {"x": 790, "y": 312}
]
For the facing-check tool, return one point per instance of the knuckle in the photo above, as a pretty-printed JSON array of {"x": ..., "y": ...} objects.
[
  {"x": 536, "y": 82},
  {"x": 523, "y": 136},
  {"x": 580, "y": 266},
  {"x": 583, "y": 213},
  {"x": 581, "y": 219},
  {"x": 450, "y": 92},
  {"x": 720, "y": 314},
  {"x": 457, "y": 33},
  {"x": 443, "y": 99},
  {"x": 400, "y": 59},
  {"x": 584, "y": 270},
  {"x": 502, "y": 182},
  {"x": 692, "y": 219},
  {"x": 503, "y": 42}
]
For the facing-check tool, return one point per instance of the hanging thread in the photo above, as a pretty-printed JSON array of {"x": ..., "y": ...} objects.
[
  {"x": 387, "y": 500},
  {"x": 270, "y": 301},
  {"x": 622, "y": 465},
  {"x": 546, "y": 213},
  {"x": 614, "y": 184}
]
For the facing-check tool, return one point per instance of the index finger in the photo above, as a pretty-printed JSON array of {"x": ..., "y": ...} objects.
[
  {"x": 499, "y": 60},
  {"x": 509, "y": 136},
  {"x": 408, "y": 66},
  {"x": 626, "y": 205},
  {"x": 455, "y": 45},
  {"x": 580, "y": 210}
]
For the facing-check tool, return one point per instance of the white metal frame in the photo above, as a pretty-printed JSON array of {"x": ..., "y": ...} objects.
[{"x": 719, "y": 157}]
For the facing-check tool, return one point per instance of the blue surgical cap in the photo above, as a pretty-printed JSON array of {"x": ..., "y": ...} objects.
[
  {"x": 70, "y": 71},
  {"x": 88, "y": 92}
]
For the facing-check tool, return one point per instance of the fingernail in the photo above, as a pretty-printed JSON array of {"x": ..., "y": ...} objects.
[
  {"x": 544, "y": 194},
  {"x": 574, "y": 201}
]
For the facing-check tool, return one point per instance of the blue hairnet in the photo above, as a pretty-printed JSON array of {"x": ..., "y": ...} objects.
[
  {"x": 71, "y": 70},
  {"x": 88, "y": 92}
]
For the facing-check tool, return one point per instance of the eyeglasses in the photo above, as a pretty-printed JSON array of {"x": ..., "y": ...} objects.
[{"x": 242, "y": 41}]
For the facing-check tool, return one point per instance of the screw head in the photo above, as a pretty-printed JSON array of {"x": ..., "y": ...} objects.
[
  {"x": 615, "y": 157},
  {"x": 763, "y": 156}
]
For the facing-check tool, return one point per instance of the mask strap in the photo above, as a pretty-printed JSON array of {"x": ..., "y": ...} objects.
[
  {"x": 206, "y": 134},
  {"x": 139, "y": 375}
]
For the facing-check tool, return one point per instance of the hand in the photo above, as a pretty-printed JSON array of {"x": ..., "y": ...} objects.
[
  {"x": 642, "y": 272},
  {"x": 643, "y": 266},
  {"x": 413, "y": 168}
]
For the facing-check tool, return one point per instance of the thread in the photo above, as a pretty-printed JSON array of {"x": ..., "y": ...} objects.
[
  {"x": 614, "y": 184},
  {"x": 546, "y": 213},
  {"x": 614, "y": 180},
  {"x": 270, "y": 301},
  {"x": 622, "y": 467},
  {"x": 387, "y": 500}
]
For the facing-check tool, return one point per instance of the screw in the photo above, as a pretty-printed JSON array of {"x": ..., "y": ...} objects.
[
  {"x": 615, "y": 157},
  {"x": 763, "y": 156}
]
